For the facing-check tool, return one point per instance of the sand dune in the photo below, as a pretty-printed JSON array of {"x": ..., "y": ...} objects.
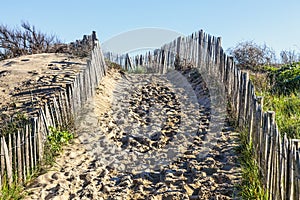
[{"x": 145, "y": 137}]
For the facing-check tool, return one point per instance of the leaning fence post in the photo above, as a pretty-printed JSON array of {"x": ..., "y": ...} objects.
[{"x": 7, "y": 161}]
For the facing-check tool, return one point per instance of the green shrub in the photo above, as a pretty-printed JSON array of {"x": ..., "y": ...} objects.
[{"x": 286, "y": 79}]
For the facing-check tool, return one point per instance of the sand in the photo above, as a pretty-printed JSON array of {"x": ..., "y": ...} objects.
[
  {"x": 116, "y": 154},
  {"x": 30, "y": 72}
]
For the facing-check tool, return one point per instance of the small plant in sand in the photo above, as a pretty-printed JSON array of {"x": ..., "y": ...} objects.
[
  {"x": 137, "y": 70},
  {"x": 55, "y": 141}
]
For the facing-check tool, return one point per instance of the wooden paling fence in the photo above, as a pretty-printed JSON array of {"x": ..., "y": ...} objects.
[
  {"x": 151, "y": 61},
  {"x": 22, "y": 149},
  {"x": 277, "y": 157}
]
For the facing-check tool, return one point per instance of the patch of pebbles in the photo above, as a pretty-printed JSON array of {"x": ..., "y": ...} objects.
[{"x": 153, "y": 114}]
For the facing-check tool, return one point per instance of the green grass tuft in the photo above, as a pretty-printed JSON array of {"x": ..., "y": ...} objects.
[
  {"x": 251, "y": 186},
  {"x": 13, "y": 192}
]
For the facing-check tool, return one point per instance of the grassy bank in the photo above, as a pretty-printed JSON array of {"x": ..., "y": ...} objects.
[
  {"x": 280, "y": 87},
  {"x": 287, "y": 109}
]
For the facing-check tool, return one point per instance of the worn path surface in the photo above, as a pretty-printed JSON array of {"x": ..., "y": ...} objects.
[{"x": 145, "y": 137}]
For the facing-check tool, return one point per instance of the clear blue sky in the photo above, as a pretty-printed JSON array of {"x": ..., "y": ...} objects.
[{"x": 274, "y": 22}]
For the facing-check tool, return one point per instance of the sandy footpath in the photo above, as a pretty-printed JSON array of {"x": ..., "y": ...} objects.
[{"x": 146, "y": 142}]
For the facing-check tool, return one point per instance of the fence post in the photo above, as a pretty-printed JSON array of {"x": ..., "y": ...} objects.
[{"x": 7, "y": 161}]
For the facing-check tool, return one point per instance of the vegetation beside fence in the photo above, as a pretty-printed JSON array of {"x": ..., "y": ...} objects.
[{"x": 279, "y": 85}]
